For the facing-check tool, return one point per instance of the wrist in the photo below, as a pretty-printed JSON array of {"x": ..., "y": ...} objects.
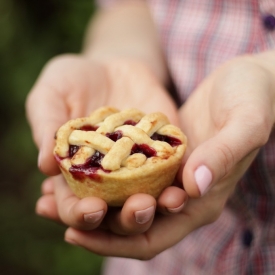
[
  {"x": 126, "y": 32},
  {"x": 124, "y": 60}
]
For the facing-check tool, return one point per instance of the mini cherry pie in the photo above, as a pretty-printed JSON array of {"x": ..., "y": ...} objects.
[{"x": 113, "y": 154}]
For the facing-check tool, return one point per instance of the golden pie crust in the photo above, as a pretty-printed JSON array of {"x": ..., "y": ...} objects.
[{"x": 131, "y": 151}]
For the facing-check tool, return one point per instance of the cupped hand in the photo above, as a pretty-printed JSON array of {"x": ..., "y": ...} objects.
[
  {"x": 72, "y": 86},
  {"x": 227, "y": 120}
]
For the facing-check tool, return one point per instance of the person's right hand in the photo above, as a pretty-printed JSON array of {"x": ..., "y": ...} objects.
[{"x": 72, "y": 86}]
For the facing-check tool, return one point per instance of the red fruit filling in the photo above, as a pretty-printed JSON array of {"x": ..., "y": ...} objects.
[
  {"x": 88, "y": 127},
  {"x": 72, "y": 150},
  {"x": 171, "y": 140},
  {"x": 143, "y": 149},
  {"x": 89, "y": 168},
  {"x": 118, "y": 134},
  {"x": 93, "y": 164},
  {"x": 130, "y": 122},
  {"x": 115, "y": 135}
]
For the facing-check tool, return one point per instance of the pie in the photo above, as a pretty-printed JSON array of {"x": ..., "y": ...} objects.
[{"x": 114, "y": 154}]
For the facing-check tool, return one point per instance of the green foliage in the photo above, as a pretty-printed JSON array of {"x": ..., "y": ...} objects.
[{"x": 32, "y": 32}]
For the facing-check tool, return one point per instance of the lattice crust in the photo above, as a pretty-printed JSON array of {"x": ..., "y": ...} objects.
[
  {"x": 135, "y": 128},
  {"x": 62, "y": 145}
]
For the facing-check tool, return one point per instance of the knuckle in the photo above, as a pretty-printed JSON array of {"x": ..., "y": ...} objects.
[
  {"x": 214, "y": 212},
  {"x": 149, "y": 255},
  {"x": 215, "y": 215},
  {"x": 262, "y": 124},
  {"x": 227, "y": 158},
  {"x": 149, "y": 251},
  {"x": 62, "y": 60},
  {"x": 258, "y": 122},
  {"x": 66, "y": 209}
]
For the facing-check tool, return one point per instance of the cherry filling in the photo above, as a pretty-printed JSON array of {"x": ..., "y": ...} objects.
[
  {"x": 118, "y": 134},
  {"x": 72, "y": 150},
  {"x": 88, "y": 127},
  {"x": 93, "y": 164},
  {"x": 171, "y": 140},
  {"x": 115, "y": 135},
  {"x": 95, "y": 159},
  {"x": 130, "y": 122},
  {"x": 143, "y": 149},
  {"x": 89, "y": 168}
]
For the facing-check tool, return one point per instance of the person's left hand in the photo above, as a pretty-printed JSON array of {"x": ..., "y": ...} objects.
[{"x": 227, "y": 119}]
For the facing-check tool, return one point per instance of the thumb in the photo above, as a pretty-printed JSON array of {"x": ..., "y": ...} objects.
[
  {"x": 45, "y": 113},
  {"x": 227, "y": 154}
]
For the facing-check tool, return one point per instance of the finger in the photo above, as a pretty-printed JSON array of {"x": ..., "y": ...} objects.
[
  {"x": 46, "y": 112},
  {"x": 47, "y": 186},
  {"x": 172, "y": 200},
  {"x": 52, "y": 102},
  {"x": 106, "y": 243},
  {"x": 164, "y": 233},
  {"x": 136, "y": 215},
  {"x": 233, "y": 147},
  {"x": 86, "y": 213},
  {"x": 46, "y": 207}
]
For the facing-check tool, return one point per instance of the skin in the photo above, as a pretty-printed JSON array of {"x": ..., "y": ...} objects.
[{"x": 227, "y": 119}]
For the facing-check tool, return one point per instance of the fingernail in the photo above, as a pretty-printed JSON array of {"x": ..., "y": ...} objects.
[
  {"x": 143, "y": 216},
  {"x": 203, "y": 177},
  {"x": 93, "y": 217},
  {"x": 176, "y": 209}
]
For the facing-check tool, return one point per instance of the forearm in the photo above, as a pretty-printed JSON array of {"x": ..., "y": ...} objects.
[{"x": 126, "y": 31}]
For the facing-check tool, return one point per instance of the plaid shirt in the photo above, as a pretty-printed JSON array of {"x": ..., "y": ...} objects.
[{"x": 197, "y": 36}]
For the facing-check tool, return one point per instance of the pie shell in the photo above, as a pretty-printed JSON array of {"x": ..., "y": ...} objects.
[{"x": 116, "y": 186}]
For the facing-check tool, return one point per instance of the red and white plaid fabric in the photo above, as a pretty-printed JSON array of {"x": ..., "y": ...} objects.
[{"x": 197, "y": 36}]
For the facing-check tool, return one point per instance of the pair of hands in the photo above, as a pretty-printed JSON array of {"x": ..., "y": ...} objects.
[{"x": 227, "y": 119}]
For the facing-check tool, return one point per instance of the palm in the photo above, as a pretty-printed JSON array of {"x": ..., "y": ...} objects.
[{"x": 89, "y": 85}]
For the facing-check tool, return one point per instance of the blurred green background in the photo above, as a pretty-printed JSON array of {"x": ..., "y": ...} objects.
[{"x": 32, "y": 32}]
